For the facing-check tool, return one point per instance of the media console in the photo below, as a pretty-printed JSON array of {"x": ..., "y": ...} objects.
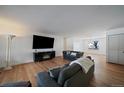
[{"x": 40, "y": 56}]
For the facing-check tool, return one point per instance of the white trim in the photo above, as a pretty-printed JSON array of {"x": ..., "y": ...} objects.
[{"x": 115, "y": 31}]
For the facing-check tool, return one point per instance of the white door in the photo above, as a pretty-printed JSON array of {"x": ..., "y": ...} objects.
[
  {"x": 121, "y": 49},
  {"x": 113, "y": 48}
]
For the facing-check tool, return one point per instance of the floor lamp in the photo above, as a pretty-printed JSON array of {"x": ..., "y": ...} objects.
[{"x": 8, "y": 51}]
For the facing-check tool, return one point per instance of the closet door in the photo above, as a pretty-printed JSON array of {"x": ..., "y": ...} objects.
[
  {"x": 113, "y": 48},
  {"x": 121, "y": 49}
]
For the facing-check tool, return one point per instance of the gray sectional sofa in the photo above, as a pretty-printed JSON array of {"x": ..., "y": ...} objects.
[{"x": 66, "y": 76}]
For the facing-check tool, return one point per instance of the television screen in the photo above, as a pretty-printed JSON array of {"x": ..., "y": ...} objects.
[{"x": 41, "y": 42}]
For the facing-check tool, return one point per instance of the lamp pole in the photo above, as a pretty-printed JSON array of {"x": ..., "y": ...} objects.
[{"x": 8, "y": 51}]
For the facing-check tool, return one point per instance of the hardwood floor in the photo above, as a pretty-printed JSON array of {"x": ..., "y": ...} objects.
[
  {"x": 28, "y": 71},
  {"x": 106, "y": 74}
]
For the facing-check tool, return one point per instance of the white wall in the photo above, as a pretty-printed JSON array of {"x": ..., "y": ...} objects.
[
  {"x": 2, "y": 50},
  {"x": 101, "y": 45},
  {"x": 81, "y": 44},
  {"x": 22, "y": 51},
  {"x": 78, "y": 44},
  {"x": 69, "y": 43}
]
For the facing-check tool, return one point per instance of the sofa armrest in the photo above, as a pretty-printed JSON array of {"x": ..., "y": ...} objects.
[{"x": 64, "y": 52}]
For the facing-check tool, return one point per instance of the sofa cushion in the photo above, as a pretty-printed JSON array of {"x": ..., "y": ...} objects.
[
  {"x": 78, "y": 80},
  {"x": 73, "y": 53},
  {"x": 44, "y": 80},
  {"x": 68, "y": 52},
  {"x": 54, "y": 72},
  {"x": 67, "y": 72}
]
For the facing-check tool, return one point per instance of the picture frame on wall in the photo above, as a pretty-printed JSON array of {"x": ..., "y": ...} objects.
[{"x": 93, "y": 45}]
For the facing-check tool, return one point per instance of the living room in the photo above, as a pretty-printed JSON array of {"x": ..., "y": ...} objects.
[{"x": 29, "y": 32}]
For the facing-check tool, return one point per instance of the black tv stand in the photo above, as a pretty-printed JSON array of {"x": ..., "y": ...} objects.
[{"x": 41, "y": 56}]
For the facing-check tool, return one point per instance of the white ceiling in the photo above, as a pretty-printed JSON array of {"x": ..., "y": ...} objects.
[{"x": 66, "y": 20}]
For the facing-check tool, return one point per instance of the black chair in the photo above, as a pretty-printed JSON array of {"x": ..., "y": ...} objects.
[{"x": 72, "y": 55}]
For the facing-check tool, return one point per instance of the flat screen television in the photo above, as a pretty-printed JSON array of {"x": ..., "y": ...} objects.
[{"x": 42, "y": 42}]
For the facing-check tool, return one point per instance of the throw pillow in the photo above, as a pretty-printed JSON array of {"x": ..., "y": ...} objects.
[{"x": 73, "y": 54}]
